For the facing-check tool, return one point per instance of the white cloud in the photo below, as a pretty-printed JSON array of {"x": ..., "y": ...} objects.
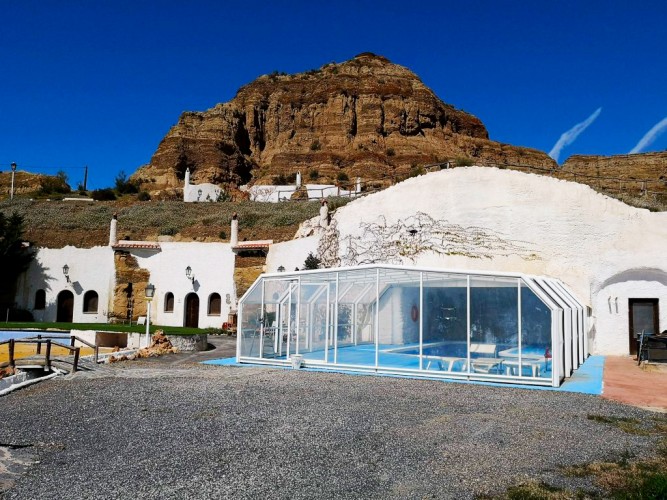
[
  {"x": 650, "y": 136},
  {"x": 570, "y": 136}
]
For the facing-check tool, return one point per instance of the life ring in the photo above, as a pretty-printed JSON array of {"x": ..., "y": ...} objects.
[{"x": 414, "y": 313}]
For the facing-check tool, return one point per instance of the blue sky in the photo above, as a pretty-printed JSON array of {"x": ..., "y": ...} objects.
[{"x": 99, "y": 83}]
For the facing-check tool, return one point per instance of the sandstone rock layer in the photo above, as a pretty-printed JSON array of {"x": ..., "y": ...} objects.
[{"x": 365, "y": 117}]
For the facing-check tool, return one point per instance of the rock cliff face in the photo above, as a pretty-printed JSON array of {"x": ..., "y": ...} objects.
[
  {"x": 636, "y": 174},
  {"x": 365, "y": 117}
]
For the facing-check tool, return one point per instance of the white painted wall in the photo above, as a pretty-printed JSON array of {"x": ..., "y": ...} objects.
[
  {"x": 274, "y": 194},
  {"x": 213, "y": 267},
  {"x": 89, "y": 269},
  {"x": 201, "y": 192},
  {"x": 560, "y": 229},
  {"x": 611, "y": 309},
  {"x": 290, "y": 254}
]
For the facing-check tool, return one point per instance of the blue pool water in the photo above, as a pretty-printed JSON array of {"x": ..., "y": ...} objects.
[{"x": 21, "y": 334}]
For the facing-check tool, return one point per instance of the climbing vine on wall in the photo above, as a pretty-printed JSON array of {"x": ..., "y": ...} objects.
[{"x": 410, "y": 237}]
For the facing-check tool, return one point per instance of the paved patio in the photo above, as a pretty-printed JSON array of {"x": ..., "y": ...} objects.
[{"x": 643, "y": 386}]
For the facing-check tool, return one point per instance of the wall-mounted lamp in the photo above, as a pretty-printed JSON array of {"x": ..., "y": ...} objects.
[
  {"x": 189, "y": 274},
  {"x": 66, "y": 273},
  {"x": 281, "y": 269}
]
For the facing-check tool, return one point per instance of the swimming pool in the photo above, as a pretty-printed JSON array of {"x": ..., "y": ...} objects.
[{"x": 21, "y": 334}]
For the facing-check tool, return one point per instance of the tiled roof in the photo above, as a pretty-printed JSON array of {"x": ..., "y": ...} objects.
[
  {"x": 249, "y": 245},
  {"x": 148, "y": 245}
]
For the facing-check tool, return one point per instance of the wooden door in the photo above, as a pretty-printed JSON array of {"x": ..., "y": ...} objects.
[
  {"x": 192, "y": 310},
  {"x": 643, "y": 317},
  {"x": 65, "y": 313}
]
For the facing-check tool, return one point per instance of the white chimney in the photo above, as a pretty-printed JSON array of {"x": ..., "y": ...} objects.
[
  {"x": 358, "y": 188},
  {"x": 324, "y": 214},
  {"x": 113, "y": 231},
  {"x": 234, "y": 237},
  {"x": 186, "y": 185},
  {"x": 298, "y": 180}
]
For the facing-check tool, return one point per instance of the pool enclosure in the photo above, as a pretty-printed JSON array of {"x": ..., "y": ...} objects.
[{"x": 419, "y": 322}]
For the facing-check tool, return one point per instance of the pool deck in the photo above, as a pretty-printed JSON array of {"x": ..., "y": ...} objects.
[{"x": 617, "y": 378}]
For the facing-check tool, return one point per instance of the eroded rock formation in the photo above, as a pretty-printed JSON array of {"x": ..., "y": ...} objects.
[{"x": 365, "y": 117}]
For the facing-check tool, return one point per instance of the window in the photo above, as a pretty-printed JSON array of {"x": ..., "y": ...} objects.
[
  {"x": 168, "y": 302},
  {"x": 40, "y": 299},
  {"x": 90, "y": 302},
  {"x": 214, "y": 304}
]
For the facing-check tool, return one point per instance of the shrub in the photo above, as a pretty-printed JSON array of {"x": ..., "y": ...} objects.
[
  {"x": 105, "y": 194},
  {"x": 314, "y": 174},
  {"x": 54, "y": 185},
  {"x": 168, "y": 231},
  {"x": 315, "y": 145},
  {"x": 280, "y": 180},
  {"x": 463, "y": 162},
  {"x": 311, "y": 262},
  {"x": 416, "y": 171},
  {"x": 222, "y": 235},
  {"x": 342, "y": 177},
  {"x": 125, "y": 186},
  {"x": 143, "y": 196},
  {"x": 391, "y": 152}
]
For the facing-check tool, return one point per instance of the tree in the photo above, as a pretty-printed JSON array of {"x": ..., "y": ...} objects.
[
  {"x": 14, "y": 256},
  {"x": 125, "y": 186},
  {"x": 312, "y": 262}
]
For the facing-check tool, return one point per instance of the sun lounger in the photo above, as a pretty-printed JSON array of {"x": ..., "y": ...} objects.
[{"x": 445, "y": 363}]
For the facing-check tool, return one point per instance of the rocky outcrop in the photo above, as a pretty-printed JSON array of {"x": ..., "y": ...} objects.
[
  {"x": 365, "y": 117},
  {"x": 635, "y": 173}
]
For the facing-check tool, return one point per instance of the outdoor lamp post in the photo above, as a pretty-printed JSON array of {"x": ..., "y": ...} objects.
[
  {"x": 11, "y": 192},
  {"x": 66, "y": 272},
  {"x": 189, "y": 274},
  {"x": 150, "y": 293}
]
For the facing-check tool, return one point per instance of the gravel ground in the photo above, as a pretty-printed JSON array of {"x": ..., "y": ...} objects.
[{"x": 191, "y": 431}]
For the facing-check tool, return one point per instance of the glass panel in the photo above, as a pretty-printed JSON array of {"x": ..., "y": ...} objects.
[
  {"x": 250, "y": 322},
  {"x": 313, "y": 320},
  {"x": 276, "y": 318},
  {"x": 642, "y": 317},
  {"x": 494, "y": 329},
  {"x": 399, "y": 319},
  {"x": 445, "y": 323},
  {"x": 356, "y": 318},
  {"x": 536, "y": 349}
]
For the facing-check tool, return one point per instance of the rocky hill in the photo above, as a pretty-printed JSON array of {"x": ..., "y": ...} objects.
[{"x": 365, "y": 117}]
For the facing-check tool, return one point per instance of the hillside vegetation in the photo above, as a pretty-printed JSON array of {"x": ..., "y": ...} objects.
[{"x": 55, "y": 224}]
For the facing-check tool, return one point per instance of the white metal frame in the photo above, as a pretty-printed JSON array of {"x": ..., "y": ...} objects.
[{"x": 568, "y": 323}]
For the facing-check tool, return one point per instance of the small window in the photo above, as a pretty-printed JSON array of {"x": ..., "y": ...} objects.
[
  {"x": 168, "y": 302},
  {"x": 90, "y": 301},
  {"x": 214, "y": 304},
  {"x": 40, "y": 299}
]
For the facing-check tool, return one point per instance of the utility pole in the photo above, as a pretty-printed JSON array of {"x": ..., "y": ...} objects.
[{"x": 85, "y": 178}]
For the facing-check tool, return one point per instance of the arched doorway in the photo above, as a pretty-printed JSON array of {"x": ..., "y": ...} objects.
[
  {"x": 65, "y": 307},
  {"x": 192, "y": 310}
]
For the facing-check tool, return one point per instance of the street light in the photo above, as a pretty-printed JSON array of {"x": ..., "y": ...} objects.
[
  {"x": 11, "y": 193},
  {"x": 150, "y": 293}
]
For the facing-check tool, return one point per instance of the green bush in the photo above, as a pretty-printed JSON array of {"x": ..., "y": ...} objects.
[
  {"x": 125, "y": 186},
  {"x": 105, "y": 194},
  {"x": 312, "y": 262},
  {"x": 168, "y": 231},
  {"x": 222, "y": 235},
  {"x": 314, "y": 174},
  {"x": 143, "y": 196},
  {"x": 315, "y": 145},
  {"x": 54, "y": 185},
  {"x": 463, "y": 162},
  {"x": 342, "y": 177},
  {"x": 391, "y": 152}
]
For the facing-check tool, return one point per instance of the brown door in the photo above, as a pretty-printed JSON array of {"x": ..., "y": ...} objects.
[
  {"x": 643, "y": 318},
  {"x": 65, "y": 312},
  {"x": 192, "y": 310}
]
